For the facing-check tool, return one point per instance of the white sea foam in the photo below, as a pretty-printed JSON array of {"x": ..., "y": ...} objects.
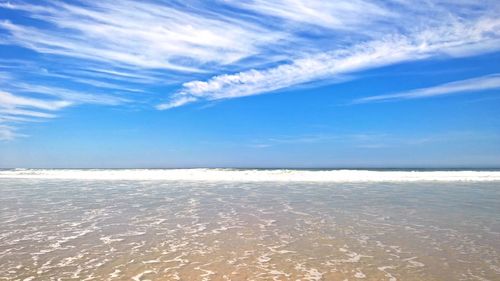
[{"x": 271, "y": 175}]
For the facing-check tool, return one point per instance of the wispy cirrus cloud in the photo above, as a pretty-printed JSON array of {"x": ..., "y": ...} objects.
[
  {"x": 22, "y": 100},
  {"x": 111, "y": 52},
  {"x": 73, "y": 97},
  {"x": 8, "y": 133},
  {"x": 341, "y": 15},
  {"x": 16, "y": 109},
  {"x": 139, "y": 34},
  {"x": 487, "y": 82},
  {"x": 12, "y": 113},
  {"x": 8, "y": 100},
  {"x": 456, "y": 39}
]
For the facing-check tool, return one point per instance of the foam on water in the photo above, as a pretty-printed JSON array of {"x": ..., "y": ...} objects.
[
  {"x": 236, "y": 175},
  {"x": 195, "y": 230}
]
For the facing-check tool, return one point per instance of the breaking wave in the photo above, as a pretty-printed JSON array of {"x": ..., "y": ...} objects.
[{"x": 252, "y": 175}]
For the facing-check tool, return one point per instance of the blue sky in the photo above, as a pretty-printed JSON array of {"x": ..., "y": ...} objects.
[{"x": 228, "y": 83}]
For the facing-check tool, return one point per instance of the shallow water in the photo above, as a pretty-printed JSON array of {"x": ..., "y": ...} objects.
[{"x": 181, "y": 230}]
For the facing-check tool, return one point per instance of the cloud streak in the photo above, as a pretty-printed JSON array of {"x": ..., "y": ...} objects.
[
  {"x": 169, "y": 54},
  {"x": 138, "y": 34},
  {"x": 21, "y": 109},
  {"x": 10, "y": 101},
  {"x": 483, "y": 83},
  {"x": 457, "y": 39},
  {"x": 7, "y": 133},
  {"x": 109, "y": 52},
  {"x": 330, "y": 15},
  {"x": 22, "y": 102}
]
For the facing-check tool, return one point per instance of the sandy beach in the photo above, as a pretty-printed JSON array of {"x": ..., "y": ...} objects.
[{"x": 234, "y": 230}]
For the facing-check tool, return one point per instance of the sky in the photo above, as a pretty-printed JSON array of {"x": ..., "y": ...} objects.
[{"x": 230, "y": 83}]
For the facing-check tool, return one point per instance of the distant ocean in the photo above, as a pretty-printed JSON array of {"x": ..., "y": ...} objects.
[{"x": 249, "y": 224}]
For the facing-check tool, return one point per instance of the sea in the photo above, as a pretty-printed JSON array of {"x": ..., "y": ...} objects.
[{"x": 249, "y": 224}]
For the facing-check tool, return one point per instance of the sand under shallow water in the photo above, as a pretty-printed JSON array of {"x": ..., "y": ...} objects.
[{"x": 179, "y": 230}]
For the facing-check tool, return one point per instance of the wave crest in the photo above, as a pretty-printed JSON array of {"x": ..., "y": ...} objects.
[{"x": 251, "y": 175}]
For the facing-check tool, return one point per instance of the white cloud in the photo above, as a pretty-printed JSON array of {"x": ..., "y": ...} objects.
[
  {"x": 74, "y": 97},
  {"x": 228, "y": 48},
  {"x": 114, "y": 49},
  {"x": 7, "y": 133},
  {"x": 139, "y": 34},
  {"x": 22, "y": 102},
  {"x": 340, "y": 14},
  {"x": 16, "y": 109},
  {"x": 176, "y": 103},
  {"x": 455, "y": 39},
  {"x": 9, "y": 101},
  {"x": 487, "y": 82},
  {"x": 8, "y": 113}
]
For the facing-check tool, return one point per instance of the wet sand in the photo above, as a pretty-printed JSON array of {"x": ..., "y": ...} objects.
[{"x": 180, "y": 230}]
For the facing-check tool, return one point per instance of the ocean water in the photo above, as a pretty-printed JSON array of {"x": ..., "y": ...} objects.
[{"x": 204, "y": 224}]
